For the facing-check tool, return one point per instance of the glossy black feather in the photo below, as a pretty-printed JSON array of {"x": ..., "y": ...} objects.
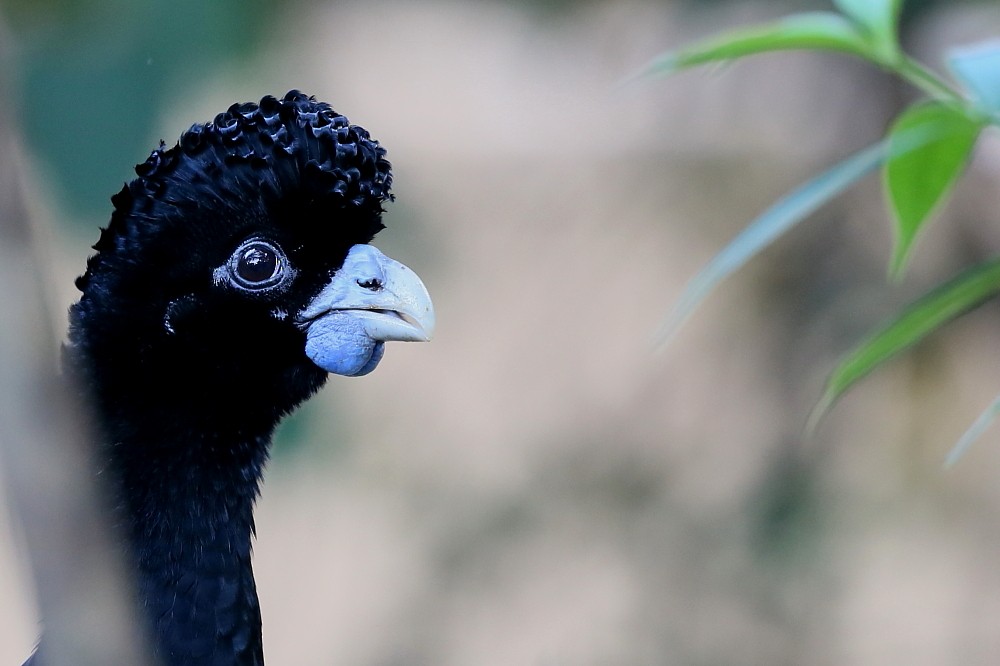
[{"x": 189, "y": 377}]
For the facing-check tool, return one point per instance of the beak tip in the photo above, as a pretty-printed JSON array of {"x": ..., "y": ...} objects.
[{"x": 428, "y": 326}]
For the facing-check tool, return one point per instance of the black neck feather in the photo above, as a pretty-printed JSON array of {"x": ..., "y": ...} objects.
[{"x": 189, "y": 516}]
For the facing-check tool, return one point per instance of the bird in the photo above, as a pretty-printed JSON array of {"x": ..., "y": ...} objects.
[{"x": 235, "y": 275}]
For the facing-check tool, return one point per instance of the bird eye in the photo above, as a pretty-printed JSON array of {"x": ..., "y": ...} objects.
[{"x": 257, "y": 264}]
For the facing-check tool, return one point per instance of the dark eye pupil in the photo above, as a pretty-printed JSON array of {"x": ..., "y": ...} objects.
[{"x": 257, "y": 264}]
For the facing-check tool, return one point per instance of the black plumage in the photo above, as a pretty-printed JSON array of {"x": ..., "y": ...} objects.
[{"x": 233, "y": 276}]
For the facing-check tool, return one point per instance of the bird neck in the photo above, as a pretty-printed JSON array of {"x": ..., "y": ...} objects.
[
  {"x": 185, "y": 439},
  {"x": 188, "y": 505}
]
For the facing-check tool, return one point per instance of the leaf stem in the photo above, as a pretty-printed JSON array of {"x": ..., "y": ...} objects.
[{"x": 927, "y": 81}]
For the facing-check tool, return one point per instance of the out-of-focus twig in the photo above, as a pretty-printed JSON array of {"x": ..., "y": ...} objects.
[{"x": 46, "y": 454}]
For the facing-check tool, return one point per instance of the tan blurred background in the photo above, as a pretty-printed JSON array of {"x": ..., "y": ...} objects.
[{"x": 536, "y": 486}]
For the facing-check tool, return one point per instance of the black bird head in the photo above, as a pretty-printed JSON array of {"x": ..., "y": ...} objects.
[{"x": 235, "y": 272}]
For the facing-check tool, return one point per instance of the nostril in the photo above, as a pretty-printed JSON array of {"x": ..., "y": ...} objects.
[{"x": 371, "y": 284}]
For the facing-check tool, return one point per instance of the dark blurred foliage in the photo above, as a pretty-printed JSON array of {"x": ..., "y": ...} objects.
[{"x": 93, "y": 75}]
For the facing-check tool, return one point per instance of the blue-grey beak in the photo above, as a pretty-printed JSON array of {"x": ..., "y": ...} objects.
[{"x": 370, "y": 300}]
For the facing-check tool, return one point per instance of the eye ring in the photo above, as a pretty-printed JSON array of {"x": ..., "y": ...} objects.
[{"x": 257, "y": 265}]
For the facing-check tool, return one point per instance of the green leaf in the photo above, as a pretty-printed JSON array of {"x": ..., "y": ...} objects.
[
  {"x": 975, "y": 431},
  {"x": 766, "y": 228},
  {"x": 916, "y": 322},
  {"x": 813, "y": 30},
  {"x": 917, "y": 180},
  {"x": 879, "y": 19},
  {"x": 978, "y": 68}
]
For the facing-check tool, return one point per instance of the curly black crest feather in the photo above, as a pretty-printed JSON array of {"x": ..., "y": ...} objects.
[{"x": 274, "y": 148}]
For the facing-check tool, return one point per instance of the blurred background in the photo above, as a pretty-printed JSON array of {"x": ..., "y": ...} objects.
[{"x": 536, "y": 486}]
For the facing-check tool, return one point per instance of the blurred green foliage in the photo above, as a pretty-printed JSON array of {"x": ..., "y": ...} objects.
[
  {"x": 925, "y": 151},
  {"x": 93, "y": 75}
]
